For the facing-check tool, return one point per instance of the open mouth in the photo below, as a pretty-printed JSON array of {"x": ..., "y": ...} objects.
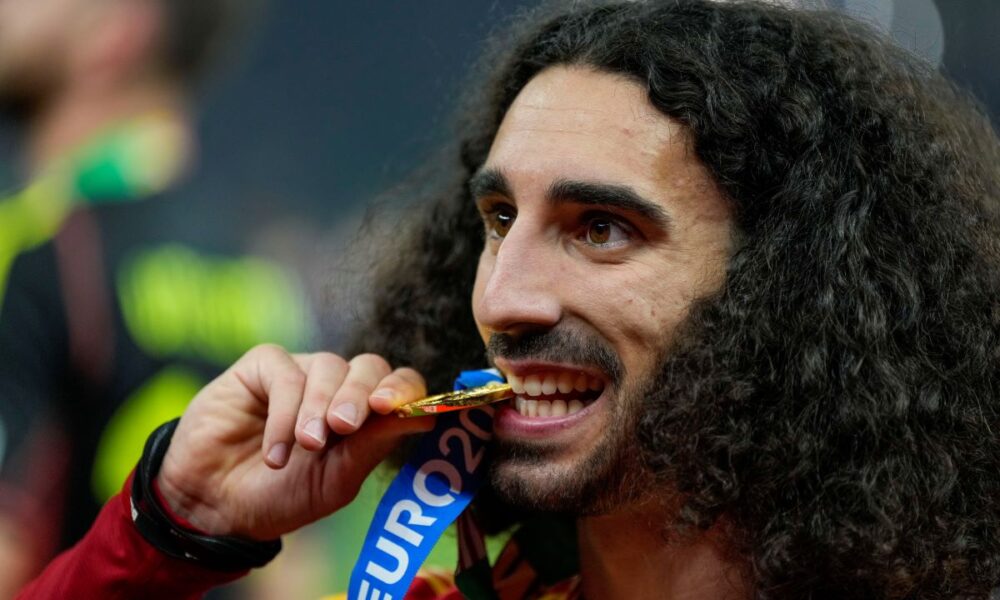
[{"x": 555, "y": 393}]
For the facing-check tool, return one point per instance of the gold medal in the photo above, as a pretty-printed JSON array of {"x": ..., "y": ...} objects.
[{"x": 470, "y": 398}]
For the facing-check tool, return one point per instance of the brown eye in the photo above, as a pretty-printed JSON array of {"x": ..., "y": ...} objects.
[
  {"x": 503, "y": 219},
  {"x": 599, "y": 231},
  {"x": 607, "y": 232}
]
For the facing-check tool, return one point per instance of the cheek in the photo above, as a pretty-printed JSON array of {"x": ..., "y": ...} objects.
[
  {"x": 663, "y": 293},
  {"x": 639, "y": 308}
]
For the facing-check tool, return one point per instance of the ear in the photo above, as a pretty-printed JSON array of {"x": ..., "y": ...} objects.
[{"x": 118, "y": 43}]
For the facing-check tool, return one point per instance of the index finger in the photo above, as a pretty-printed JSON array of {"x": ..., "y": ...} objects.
[
  {"x": 272, "y": 375},
  {"x": 402, "y": 386},
  {"x": 349, "y": 407}
]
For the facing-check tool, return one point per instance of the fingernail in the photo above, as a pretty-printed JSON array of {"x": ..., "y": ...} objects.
[
  {"x": 383, "y": 394},
  {"x": 316, "y": 429},
  {"x": 278, "y": 454},
  {"x": 347, "y": 413}
]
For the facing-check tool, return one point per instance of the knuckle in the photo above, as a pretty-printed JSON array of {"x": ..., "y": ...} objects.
[
  {"x": 354, "y": 391},
  {"x": 392, "y": 380},
  {"x": 266, "y": 350},
  {"x": 410, "y": 376},
  {"x": 292, "y": 378},
  {"x": 265, "y": 354},
  {"x": 316, "y": 399},
  {"x": 280, "y": 424},
  {"x": 374, "y": 361},
  {"x": 329, "y": 361}
]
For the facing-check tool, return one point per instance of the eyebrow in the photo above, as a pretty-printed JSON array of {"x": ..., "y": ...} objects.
[
  {"x": 621, "y": 197},
  {"x": 489, "y": 182}
]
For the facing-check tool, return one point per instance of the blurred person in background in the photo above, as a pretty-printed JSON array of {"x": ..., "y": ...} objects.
[{"x": 107, "y": 324}]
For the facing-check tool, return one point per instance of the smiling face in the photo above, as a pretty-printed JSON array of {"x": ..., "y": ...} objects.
[{"x": 602, "y": 227}]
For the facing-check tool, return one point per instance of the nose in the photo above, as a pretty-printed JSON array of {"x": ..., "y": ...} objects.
[{"x": 521, "y": 289}]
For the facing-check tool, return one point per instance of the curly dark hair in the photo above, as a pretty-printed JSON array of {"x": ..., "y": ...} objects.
[{"x": 834, "y": 405}]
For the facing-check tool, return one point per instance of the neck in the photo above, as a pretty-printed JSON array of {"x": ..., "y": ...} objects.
[
  {"x": 626, "y": 555},
  {"x": 76, "y": 116}
]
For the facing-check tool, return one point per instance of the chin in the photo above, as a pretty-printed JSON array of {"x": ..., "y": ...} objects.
[{"x": 600, "y": 483}]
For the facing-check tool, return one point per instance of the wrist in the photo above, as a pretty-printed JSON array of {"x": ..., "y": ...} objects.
[
  {"x": 185, "y": 508},
  {"x": 153, "y": 518},
  {"x": 181, "y": 509}
]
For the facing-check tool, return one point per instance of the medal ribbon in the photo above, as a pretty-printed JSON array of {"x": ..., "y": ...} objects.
[{"x": 430, "y": 491}]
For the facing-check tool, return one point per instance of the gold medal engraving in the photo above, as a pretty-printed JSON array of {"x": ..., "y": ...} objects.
[{"x": 433, "y": 405}]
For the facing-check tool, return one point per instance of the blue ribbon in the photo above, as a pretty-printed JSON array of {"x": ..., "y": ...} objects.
[{"x": 432, "y": 489}]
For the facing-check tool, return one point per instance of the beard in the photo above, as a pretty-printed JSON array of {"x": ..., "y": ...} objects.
[{"x": 611, "y": 473}]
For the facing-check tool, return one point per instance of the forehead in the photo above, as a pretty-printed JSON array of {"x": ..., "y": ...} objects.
[
  {"x": 38, "y": 21},
  {"x": 572, "y": 122},
  {"x": 37, "y": 10}
]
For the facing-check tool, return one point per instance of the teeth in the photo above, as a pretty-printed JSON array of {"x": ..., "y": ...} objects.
[
  {"x": 547, "y": 408},
  {"x": 532, "y": 385},
  {"x": 531, "y": 408},
  {"x": 546, "y": 384},
  {"x": 565, "y": 382},
  {"x": 559, "y": 408},
  {"x": 516, "y": 384}
]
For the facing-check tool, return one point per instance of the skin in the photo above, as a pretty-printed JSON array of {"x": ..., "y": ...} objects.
[
  {"x": 539, "y": 270},
  {"x": 34, "y": 39},
  {"x": 547, "y": 272},
  {"x": 269, "y": 402}
]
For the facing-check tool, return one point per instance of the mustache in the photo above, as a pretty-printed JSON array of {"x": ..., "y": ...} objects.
[{"x": 557, "y": 345}]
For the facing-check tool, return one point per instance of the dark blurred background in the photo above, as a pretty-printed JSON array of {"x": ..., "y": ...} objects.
[
  {"x": 328, "y": 103},
  {"x": 324, "y": 105}
]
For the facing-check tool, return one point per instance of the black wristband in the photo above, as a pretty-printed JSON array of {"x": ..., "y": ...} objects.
[{"x": 217, "y": 552}]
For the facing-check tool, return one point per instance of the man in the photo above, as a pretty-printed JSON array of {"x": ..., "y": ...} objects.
[
  {"x": 739, "y": 266},
  {"x": 109, "y": 323}
]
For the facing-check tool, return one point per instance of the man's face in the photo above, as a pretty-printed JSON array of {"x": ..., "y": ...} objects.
[
  {"x": 602, "y": 227},
  {"x": 35, "y": 37}
]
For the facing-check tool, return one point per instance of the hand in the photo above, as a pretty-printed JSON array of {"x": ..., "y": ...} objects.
[{"x": 280, "y": 440}]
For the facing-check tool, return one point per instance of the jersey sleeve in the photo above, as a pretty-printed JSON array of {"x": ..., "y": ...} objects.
[{"x": 114, "y": 561}]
